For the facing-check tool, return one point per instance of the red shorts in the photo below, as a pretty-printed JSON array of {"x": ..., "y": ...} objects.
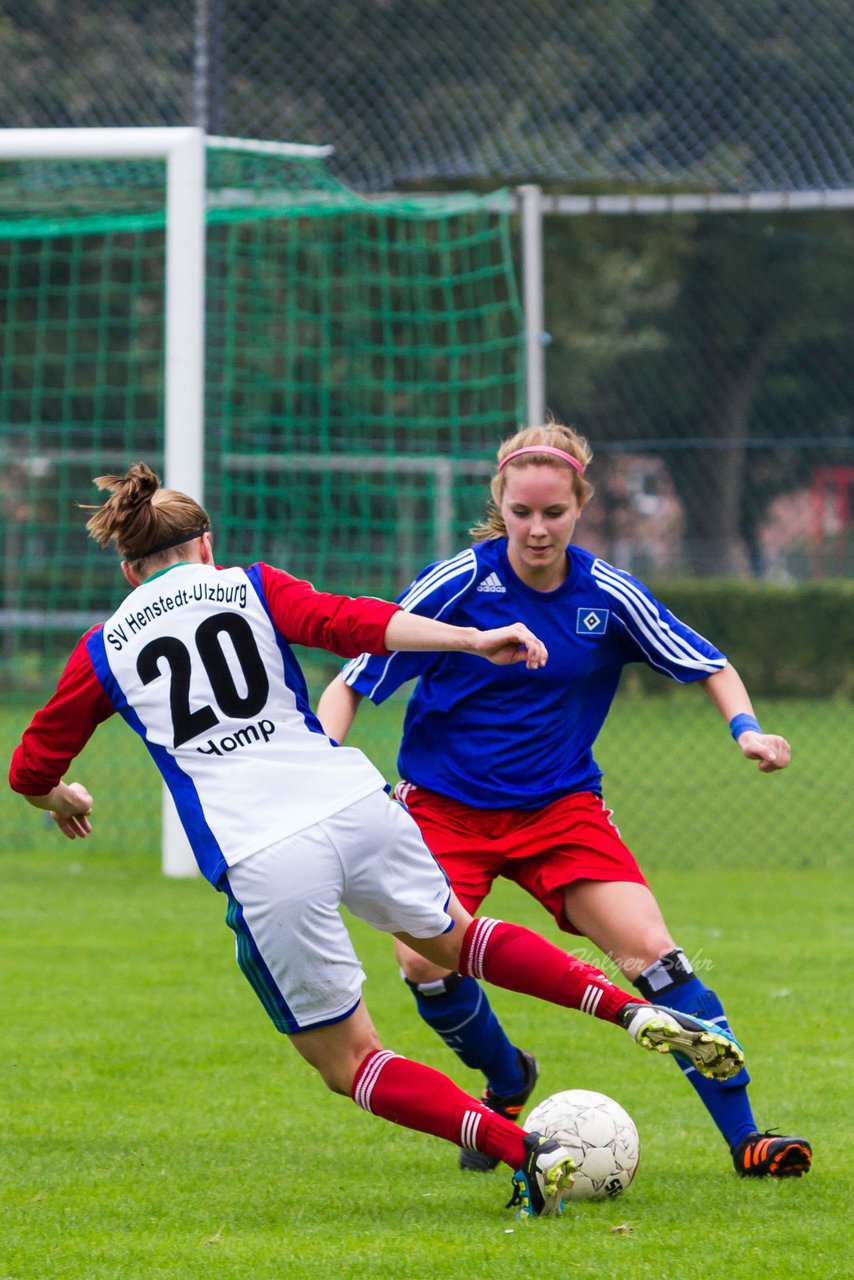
[{"x": 542, "y": 850}]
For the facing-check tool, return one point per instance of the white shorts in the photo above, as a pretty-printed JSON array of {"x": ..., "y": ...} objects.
[{"x": 292, "y": 944}]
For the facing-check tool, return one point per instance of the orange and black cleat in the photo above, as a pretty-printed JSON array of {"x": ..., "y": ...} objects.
[{"x": 766, "y": 1155}]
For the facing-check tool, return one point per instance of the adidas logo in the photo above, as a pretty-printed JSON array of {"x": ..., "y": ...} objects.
[{"x": 492, "y": 583}]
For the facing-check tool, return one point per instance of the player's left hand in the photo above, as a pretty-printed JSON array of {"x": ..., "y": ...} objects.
[
  {"x": 505, "y": 645},
  {"x": 770, "y": 750}
]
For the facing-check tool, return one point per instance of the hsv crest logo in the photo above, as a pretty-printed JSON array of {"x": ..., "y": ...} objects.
[{"x": 592, "y": 622}]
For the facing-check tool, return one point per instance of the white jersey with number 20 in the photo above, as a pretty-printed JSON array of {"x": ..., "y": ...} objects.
[{"x": 194, "y": 663}]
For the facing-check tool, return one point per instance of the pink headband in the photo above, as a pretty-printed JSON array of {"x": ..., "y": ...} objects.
[{"x": 543, "y": 448}]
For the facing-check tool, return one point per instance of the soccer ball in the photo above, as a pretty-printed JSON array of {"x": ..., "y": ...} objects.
[{"x": 600, "y": 1136}]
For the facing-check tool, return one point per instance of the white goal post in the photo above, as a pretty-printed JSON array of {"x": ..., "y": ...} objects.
[{"x": 183, "y": 151}]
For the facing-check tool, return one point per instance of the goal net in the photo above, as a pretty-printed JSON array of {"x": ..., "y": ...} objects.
[
  {"x": 329, "y": 373},
  {"x": 362, "y": 357}
]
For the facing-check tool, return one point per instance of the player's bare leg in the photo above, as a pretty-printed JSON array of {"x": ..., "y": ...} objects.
[
  {"x": 622, "y": 919},
  {"x": 416, "y": 966},
  {"x": 336, "y": 1050}
]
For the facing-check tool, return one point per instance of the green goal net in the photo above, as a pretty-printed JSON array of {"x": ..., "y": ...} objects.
[{"x": 362, "y": 359}]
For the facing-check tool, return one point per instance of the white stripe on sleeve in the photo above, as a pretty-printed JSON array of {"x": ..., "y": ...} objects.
[{"x": 650, "y": 626}]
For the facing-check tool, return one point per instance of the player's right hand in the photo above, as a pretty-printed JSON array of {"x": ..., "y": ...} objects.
[
  {"x": 71, "y": 810},
  {"x": 505, "y": 645}
]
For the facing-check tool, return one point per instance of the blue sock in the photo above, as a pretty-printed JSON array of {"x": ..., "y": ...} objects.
[
  {"x": 672, "y": 982},
  {"x": 458, "y": 1010}
]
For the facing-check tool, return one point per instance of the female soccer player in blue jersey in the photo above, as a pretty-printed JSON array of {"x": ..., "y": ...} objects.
[
  {"x": 498, "y": 770},
  {"x": 289, "y": 826}
]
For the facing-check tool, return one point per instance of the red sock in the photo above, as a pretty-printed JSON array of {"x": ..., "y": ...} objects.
[
  {"x": 410, "y": 1094},
  {"x": 517, "y": 958}
]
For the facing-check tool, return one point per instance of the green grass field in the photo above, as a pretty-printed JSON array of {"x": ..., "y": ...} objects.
[{"x": 154, "y": 1125}]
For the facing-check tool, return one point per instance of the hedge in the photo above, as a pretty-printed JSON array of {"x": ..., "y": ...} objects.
[{"x": 786, "y": 640}]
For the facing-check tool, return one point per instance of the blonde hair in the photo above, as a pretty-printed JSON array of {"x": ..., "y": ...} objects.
[
  {"x": 553, "y": 435},
  {"x": 142, "y": 519}
]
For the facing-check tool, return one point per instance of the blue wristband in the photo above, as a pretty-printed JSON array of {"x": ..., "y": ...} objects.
[{"x": 741, "y": 723}]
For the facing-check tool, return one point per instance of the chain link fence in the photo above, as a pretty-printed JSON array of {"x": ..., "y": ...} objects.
[
  {"x": 708, "y": 360},
  {"x": 750, "y": 95}
]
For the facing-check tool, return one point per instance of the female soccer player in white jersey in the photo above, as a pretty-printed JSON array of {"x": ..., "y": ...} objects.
[
  {"x": 498, "y": 769},
  {"x": 289, "y": 826}
]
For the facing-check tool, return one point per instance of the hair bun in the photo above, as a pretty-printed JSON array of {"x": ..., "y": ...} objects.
[
  {"x": 132, "y": 490},
  {"x": 136, "y": 487},
  {"x": 142, "y": 517}
]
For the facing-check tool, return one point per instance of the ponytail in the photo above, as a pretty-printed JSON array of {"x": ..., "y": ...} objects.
[{"x": 142, "y": 518}]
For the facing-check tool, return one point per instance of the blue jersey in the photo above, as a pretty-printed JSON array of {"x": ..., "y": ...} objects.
[{"x": 505, "y": 737}]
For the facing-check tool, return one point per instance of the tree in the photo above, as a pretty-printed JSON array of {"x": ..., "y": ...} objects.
[{"x": 720, "y": 339}]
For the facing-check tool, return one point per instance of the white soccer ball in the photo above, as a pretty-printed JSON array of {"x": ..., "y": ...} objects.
[{"x": 600, "y": 1135}]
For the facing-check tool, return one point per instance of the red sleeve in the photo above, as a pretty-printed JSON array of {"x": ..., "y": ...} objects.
[
  {"x": 60, "y": 731},
  {"x": 346, "y": 625}
]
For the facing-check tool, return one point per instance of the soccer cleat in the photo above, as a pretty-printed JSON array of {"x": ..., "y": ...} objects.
[
  {"x": 537, "y": 1186},
  {"x": 711, "y": 1050},
  {"x": 767, "y": 1155},
  {"x": 509, "y": 1107}
]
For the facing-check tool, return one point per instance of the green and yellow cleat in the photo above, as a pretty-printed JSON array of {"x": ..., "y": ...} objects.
[
  {"x": 710, "y": 1050},
  {"x": 537, "y": 1186}
]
